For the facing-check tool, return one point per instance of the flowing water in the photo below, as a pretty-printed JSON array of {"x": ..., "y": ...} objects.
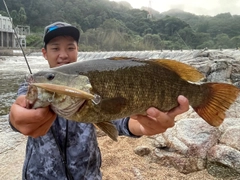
[{"x": 12, "y": 73}]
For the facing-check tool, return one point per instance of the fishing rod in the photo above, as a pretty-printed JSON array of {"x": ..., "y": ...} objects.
[{"x": 18, "y": 40}]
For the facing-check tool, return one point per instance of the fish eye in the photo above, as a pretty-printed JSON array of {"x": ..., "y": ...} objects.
[{"x": 50, "y": 76}]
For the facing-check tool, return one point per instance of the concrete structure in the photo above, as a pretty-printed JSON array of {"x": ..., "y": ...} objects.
[
  {"x": 22, "y": 32},
  {"x": 7, "y": 35},
  {"x": 7, "y": 38}
]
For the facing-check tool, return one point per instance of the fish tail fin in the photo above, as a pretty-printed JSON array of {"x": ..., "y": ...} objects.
[
  {"x": 109, "y": 128},
  {"x": 220, "y": 97}
]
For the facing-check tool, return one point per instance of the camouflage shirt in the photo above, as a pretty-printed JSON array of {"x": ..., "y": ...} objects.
[{"x": 69, "y": 150}]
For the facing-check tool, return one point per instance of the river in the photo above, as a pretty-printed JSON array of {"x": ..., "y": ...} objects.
[{"x": 12, "y": 72}]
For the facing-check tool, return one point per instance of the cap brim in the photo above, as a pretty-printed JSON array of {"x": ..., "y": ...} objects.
[{"x": 63, "y": 31}]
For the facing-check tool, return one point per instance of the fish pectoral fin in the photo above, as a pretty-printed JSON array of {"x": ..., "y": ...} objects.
[
  {"x": 113, "y": 105},
  {"x": 185, "y": 71},
  {"x": 109, "y": 128}
]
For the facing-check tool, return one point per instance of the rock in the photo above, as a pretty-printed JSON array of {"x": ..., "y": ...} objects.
[
  {"x": 204, "y": 68},
  {"x": 220, "y": 72},
  {"x": 159, "y": 142},
  {"x": 185, "y": 146},
  {"x": 234, "y": 110},
  {"x": 222, "y": 171},
  {"x": 142, "y": 150},
  {"x": 190, "y": 114},
  {"x": 184, "y": 164},
  {"x": 229, "y": 123},
  {"x": 235, "y": 74},
  {"x": 195, "y": 134},
  {"x": 223, "y": 157},
  {"x": 231, "y": 137},
  {"x": 203, "y": 53},
  {"x": 175, "y": 144},
  {"x": 237, "y": 84}
]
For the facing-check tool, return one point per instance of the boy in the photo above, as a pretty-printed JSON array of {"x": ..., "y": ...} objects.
[{"x": 62, "y": 149}]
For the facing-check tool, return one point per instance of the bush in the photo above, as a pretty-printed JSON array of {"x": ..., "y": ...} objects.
[{"x": 34, "y": 40}]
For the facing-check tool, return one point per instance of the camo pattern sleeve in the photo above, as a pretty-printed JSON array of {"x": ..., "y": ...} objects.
[
  {"x": 21, "y": 91},
  {"x": 122, "y": 127}
]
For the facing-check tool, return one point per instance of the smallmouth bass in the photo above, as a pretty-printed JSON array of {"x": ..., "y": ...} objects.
[{"x": 124, "y": 87}]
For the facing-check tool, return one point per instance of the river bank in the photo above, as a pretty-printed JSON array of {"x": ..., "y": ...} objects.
[{"x": 16, "y": 51}]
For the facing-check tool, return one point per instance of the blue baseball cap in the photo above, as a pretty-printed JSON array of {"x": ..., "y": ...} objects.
[{"x": 60, "y": 29}]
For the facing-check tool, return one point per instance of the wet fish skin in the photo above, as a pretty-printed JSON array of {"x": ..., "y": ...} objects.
[
  {"x": 130, "y": 86},
  {"x": 61, "y": 104}
]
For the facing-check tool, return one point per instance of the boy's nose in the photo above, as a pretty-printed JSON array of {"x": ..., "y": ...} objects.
[{"x": 63, "y": 54}]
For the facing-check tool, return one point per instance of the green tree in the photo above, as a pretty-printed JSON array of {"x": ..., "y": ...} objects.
[
  {"x": 203, "y": 27},
  {"x": 152, "y": 41},
  {"x": 15, "y": 17},
  {"x": 3, "y": 13},
  {"x": 173, "y": 24},
  {"x": 236, "y": 41},
  {"x": 22, "y": 17},
  {"x": 207, "y": 44},
  {"x": 223, "y": 41},
  {"x": 203, "y": 40},
  {"x": 186, "y": 35}
]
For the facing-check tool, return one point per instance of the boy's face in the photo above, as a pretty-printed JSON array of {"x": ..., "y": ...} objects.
[{"x": 61, "y": 50}]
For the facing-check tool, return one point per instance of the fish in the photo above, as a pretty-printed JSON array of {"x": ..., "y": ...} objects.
[{"x": 100, "y": 91}]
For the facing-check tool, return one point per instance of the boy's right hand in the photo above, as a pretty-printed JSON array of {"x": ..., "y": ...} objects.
[{"x": 31, "y": 122}]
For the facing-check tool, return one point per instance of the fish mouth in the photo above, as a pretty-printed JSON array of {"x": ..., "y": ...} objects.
[
  {"x": 82, "y": 105},
  {"x": 69, "y": 110},
  {"x": 65, "y": 90}
]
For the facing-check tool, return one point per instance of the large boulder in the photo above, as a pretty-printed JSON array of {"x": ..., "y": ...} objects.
[{"x": 185, "y": 146}]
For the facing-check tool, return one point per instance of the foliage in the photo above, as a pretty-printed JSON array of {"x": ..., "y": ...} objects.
[
  {"x": 34, "y": 40},
  {"x": 107, "y": 25}
]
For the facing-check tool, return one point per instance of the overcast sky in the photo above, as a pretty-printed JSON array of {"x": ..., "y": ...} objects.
[{"x": 199, "y": 7}]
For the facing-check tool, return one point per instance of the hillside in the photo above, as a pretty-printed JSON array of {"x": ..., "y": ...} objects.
[{"x": 107, "y": 25}]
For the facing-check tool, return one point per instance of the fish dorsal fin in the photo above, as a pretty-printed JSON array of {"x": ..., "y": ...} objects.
[
  {"x": 109, "y": 128},
  {"x": 185, "y": 71}
]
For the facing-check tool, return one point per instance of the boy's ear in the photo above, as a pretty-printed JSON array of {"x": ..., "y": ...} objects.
[{"x": 44, "y": 53}]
